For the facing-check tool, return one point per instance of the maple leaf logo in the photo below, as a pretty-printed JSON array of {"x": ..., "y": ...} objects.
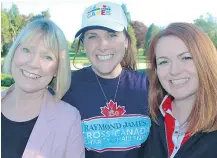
[{"x": 112, "y": 110}]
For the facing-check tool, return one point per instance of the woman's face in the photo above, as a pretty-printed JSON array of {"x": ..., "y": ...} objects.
[
  {"x": 175, "y": 68},
  {"x": 33, "y": 65},
  {"x": 105, "y": 50}
]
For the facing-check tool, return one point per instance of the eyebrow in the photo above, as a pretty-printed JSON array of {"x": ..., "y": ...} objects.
[
  {"x": 92, "y": 33},
  {"x": 182, "y": 53},
  {"x": 112, "y": 31},
  {"x": 163, "y": 57}
]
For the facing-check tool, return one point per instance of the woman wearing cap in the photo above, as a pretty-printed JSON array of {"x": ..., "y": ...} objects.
[
  {"x": 110, "y": 95},
  {"x": 32, "y": 120},
  {"x": 183, "y": 66}
]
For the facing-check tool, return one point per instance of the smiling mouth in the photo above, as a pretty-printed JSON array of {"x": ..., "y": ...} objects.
[
  {"x": 104, "y": 57},
  {"x": 179, "y": 81},
  {"x": 30, "y": 75}
]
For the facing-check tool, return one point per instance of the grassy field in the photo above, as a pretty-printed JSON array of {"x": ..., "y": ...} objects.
[{"x": 82, "y": 59}]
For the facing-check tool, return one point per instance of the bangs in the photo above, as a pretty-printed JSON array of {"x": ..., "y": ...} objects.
[{"x": 48, "y": 36}]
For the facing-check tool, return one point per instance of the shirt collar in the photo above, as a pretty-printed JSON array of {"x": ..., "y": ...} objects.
[{"x": 166, "y": 105}]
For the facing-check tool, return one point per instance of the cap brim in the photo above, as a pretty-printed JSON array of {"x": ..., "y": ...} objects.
[{"x": 91, "y": 28}]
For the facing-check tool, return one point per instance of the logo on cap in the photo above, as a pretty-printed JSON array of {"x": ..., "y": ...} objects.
[{"x": 98, "y": 10}]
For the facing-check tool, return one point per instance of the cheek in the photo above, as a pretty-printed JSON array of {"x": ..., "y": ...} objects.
[
  {"x": 162, "y": 76},
  {"x": 162, "y": 73},
  {"x": 49, "y": 68},
  {"x": 90, "y": 45},
  {"x": 19, "y": 59}
]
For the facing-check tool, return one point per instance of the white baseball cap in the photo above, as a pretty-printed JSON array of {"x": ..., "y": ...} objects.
[{"x": 103, "y": 15}]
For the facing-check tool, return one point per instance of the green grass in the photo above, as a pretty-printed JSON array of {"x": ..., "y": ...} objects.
[{"x": 82, "y": 57}]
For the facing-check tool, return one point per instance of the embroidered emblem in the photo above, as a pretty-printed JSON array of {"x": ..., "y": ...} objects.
[{"x": 99, "y": 10}]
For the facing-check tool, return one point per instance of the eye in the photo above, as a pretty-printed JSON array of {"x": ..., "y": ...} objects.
[
  {"x": 48, "y": 58},
  {"x": 187, "y": 58},
  {"x": 91, "y": 37},
  {"x": 162, "y": 62},
  {"x": 111, "y": 35},
  {"x": 26, "y": 50}
]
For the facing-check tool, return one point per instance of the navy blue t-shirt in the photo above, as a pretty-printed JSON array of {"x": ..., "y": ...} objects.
[{"x": 116, "y": 129}]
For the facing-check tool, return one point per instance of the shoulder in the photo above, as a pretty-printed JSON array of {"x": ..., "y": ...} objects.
[
  {"x": 135, "y": 75},
  {"x": 136, "y": 78},
  {"x": 67, "y": 111},
  {"x": 211, "y": 136},
  {"x": 81, "y": 73}
]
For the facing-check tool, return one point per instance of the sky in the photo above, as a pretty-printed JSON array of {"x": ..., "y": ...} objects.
[{"x": 67, "y": 14}]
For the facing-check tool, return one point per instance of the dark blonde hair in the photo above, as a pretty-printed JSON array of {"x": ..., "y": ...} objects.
[
  {"x": 203, "y": 117},
  {"x": 129, "y": 60}
]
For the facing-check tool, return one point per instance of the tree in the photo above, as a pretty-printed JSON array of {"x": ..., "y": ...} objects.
[
  {"x": 12, "y": 23},
  {"x": 15, "y": 21},
  {"x": 5, "y": 26},
  {"x": 43, "y": 14},
  {"x": 209, "y": 24},
  {"x": 130, "y": 29},
  {"x": 140, "y": 31},
  {"x": 124, "y": 7},
  {"x": 132, "y": 35},
  {"x": 152, "y": 30}
]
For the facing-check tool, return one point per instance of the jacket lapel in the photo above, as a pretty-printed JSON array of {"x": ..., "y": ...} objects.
[
  {"x": 42, "y": 129},
  {"x": 162, "y": 132}
]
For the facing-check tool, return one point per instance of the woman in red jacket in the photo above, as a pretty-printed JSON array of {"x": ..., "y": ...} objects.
[{"x": 182, "y": 96}]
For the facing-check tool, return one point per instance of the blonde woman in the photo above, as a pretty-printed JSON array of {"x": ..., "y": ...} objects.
[{"x": 34, "y": 122}]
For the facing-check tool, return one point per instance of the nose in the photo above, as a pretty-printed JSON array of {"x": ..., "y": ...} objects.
[
  {"x": 35, "y": 60},
  {"x": 103, "y": 44},
  {"x": 176, "y": 68}
]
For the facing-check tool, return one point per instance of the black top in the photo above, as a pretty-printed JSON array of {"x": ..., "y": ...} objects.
[
  {"x": 14, "y": 136},
  {"x": 106, "y": 135}
]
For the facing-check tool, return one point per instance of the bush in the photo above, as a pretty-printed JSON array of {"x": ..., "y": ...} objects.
[
  {"x": 5, "y": 48},
  {"x": 6, "y": 80}
]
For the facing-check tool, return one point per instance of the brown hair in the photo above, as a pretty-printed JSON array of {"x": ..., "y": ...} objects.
[
  {"x": 203, "y": 117},
  {"x": 129, "y": 60}
]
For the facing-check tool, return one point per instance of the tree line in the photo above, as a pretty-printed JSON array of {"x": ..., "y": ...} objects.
[{"x": 13, "y": 22}]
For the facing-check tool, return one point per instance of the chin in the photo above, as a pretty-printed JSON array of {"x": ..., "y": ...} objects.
[
  {"x": 30, "y": 88},
  {"x": 183, "y": 96},
  {"x": 105, "y": 69}
]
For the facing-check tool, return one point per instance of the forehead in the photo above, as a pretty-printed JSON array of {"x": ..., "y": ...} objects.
[
  {"x": 98, "y": 31},
  {"x": 39, "y": 39},
  {"x": 170, "y": 46},
  {"x": 33, "y": 39}
]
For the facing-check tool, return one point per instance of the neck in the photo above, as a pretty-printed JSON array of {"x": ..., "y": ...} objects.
[
  {"x": 113, "y": 74},
  {"x": 24, "y": 100},
  {"x": 22, "y": 106},
  {"x": 182, "y": 108}
]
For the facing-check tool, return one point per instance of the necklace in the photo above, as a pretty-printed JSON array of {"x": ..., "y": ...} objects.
[{"x": 107, "y": 101}]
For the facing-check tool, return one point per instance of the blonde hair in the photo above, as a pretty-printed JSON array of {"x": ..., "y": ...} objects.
[
  {"x": 203, "y": 117},
  {"x": 55, "y": 40}
]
